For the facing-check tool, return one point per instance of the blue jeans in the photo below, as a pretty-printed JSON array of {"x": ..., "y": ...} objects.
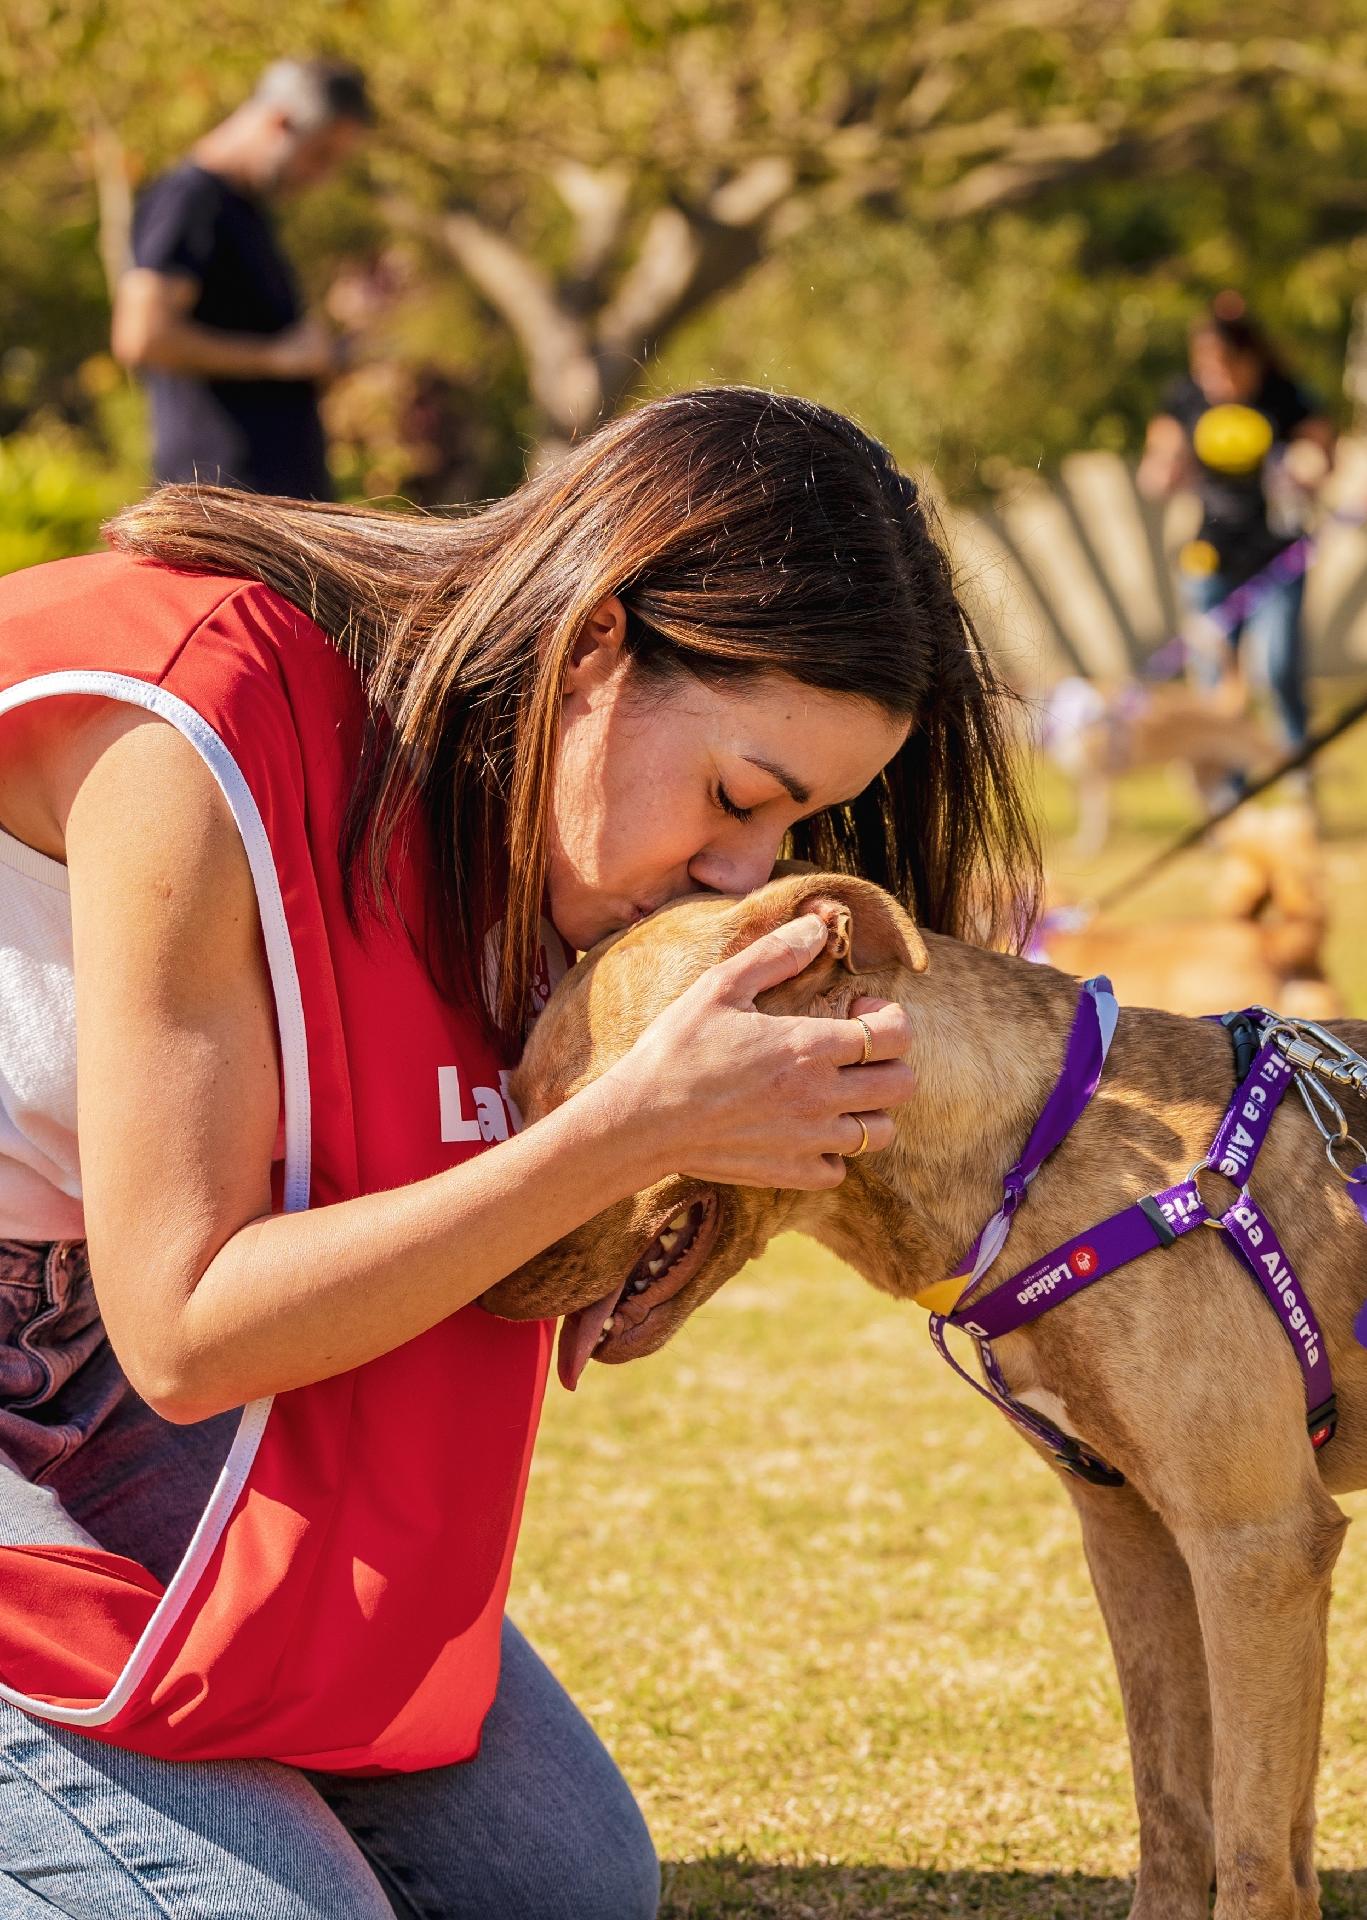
[
  {"x": 1275, "y": 628},
  {"x": 540, "y": 1825}
]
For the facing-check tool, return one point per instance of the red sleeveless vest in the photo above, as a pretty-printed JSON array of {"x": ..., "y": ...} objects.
[{"x": 340, "y": 1603}]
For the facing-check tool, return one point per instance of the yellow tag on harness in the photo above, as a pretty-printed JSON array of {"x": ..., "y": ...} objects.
[{"x": 942, "y": 1296}]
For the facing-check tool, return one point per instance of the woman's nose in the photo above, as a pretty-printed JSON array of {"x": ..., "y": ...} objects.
[{"x": 737, "y": 870}]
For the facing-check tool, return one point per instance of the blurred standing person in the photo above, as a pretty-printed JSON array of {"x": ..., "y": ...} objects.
[
  {"x": 1254, "y": 445},
  {"x": 209, "y": 311}
]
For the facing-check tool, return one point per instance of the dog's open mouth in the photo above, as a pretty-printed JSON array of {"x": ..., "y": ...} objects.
[{"x": 612, "y": 1327}]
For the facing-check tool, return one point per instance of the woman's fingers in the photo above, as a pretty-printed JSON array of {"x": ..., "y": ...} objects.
[
  {"x": 885, "y": 1083},
  {"x": 773, "y": 958},
  {"x": 784, "y": 1100},
  {"x": 844, "y": 1042},
  {"x": 856, "y": 1128}
]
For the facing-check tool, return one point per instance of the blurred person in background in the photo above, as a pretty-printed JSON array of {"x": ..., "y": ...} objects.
[
  {"x": 209, "y": 312},
  {"x": 1254, "y": 445}
]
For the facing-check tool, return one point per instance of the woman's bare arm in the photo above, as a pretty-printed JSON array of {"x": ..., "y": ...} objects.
[{"x": 210, "y": 1300}]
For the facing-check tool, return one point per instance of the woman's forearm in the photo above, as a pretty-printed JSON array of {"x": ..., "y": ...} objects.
[{"x": 293, "y": 1298}]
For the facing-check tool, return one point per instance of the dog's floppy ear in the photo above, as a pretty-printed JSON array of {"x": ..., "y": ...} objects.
[{"x": 866, "y": 930}]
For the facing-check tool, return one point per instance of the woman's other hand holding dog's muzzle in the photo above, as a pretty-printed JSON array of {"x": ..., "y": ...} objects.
[{"x": 738, "y": 1097}]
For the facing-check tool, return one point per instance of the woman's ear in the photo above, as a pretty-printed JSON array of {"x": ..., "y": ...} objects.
[{"x": 597, "y": 652}]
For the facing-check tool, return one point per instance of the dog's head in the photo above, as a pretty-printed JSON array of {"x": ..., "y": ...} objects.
[{"x": 646, "y": 1263}]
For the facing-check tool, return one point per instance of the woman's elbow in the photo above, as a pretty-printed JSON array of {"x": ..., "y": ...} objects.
[
  {"x": 172, "y": 1396},
  {"x": 177, "y": 1387}
]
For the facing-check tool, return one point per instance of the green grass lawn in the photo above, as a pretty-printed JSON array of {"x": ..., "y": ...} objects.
[{"x": 832, "y": 1617}]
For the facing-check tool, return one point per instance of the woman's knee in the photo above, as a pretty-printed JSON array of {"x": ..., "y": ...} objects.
[
  {"x": 558, "y": 1877},
  {"x": 635, "y": 1878},
  {"x": 582, "y": 1832},
  {"x": 617, "y": 1877}
]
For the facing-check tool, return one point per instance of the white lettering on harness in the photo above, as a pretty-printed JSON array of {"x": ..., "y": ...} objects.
[
  {"x": 1236, "y": 1154},
  {"x": 1044, "y": 1283},
  {"x": 490, "y": 1121},
  {"x": 1280, "y": 1276},
  {"x": 1180, "y": 1208}
]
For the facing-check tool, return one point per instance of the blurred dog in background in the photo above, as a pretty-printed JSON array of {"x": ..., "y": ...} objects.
[
  {"x": 1094, "y": 733},
  {"x": 1261, "y": 943}
]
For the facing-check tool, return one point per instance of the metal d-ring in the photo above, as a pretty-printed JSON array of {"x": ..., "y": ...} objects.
[
  {"x": 1345, "y": 1143},
  {"x": 1212, "y": 1220}
]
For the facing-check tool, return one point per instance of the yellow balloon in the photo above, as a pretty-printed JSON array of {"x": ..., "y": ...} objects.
[{"x": 1232, "y": 439}]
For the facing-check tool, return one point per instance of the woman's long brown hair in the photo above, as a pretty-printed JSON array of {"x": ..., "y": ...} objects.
[{"x": 747, "y": 532}]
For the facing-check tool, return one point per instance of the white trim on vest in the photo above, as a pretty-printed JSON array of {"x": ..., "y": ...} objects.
[{"x": 298, "y": 1140}]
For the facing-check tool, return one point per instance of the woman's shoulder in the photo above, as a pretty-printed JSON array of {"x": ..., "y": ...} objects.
[{"x": 119, "y": 613}]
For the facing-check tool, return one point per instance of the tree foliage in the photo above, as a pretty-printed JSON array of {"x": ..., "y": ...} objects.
[{"x": 979, "y": 224}]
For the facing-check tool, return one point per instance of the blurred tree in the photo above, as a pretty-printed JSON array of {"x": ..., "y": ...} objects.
[{"x": 866, "y": 192}]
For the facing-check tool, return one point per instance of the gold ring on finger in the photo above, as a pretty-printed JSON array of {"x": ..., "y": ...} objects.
[
  {"x": 868, "y": 1048},
  {"x": 863, "y": 1138}
]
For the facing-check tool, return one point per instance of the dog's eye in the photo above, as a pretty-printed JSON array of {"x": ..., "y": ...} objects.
[{"x": 728, "y": 805}]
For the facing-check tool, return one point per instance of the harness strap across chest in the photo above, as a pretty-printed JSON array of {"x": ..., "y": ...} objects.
[{"x": 1152, "y": 1223}]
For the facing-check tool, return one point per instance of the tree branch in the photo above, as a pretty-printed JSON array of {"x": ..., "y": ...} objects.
[
  {"x": 598, "y": 198},
  {"x": 687, "y": 256},
  {"x": 561, "y": 368}
]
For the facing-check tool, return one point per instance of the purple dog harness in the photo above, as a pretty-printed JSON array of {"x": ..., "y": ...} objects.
[{"x": 1270, "y": 1054}]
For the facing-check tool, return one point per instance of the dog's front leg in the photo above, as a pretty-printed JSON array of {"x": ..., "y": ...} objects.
[
  {"x": 1262, "y": 1591},
  {"x": 1146, "y": 1598}
]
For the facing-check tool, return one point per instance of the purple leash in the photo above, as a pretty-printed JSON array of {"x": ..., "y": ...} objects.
[
  {"x": 1084, "y": 1056},
  {"x": 1357, "y": 1190},
  {"x": 1156, "y": 1221}
]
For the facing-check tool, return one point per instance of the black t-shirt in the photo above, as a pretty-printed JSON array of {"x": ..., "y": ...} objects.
[
  {"x": 1233, "y": 444},
  {"x": 264, "y": 435}
]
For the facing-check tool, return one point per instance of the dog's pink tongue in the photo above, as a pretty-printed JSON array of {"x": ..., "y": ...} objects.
[{"x": 579, "y": 1336}]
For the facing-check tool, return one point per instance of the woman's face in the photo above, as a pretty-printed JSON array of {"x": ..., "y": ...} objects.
[{"x": 665, "y": 787}]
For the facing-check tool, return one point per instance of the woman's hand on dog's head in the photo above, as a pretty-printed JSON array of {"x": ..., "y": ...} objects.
[{"x": 743, "y": 1098}]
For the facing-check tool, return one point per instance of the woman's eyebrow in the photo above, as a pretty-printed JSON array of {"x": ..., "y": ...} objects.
[{"x": 799, "y": 792}]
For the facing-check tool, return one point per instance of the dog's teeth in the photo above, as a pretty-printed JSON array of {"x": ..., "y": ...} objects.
[
  {"x": 609, "y": 1323},
  {"x": 678, "y": 1223},
  {"x": 655, "y": 1268},
  {"x": 669, "y": 1239}
]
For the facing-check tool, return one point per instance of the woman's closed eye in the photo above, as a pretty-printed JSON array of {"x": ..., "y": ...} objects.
[{"x": 728, "y": 805}]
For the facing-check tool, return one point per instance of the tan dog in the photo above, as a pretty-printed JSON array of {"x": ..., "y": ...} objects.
[
  {"x": 1095, "y": 733},
  {"x": 1213, "y": 1563},
  {"x": 1262, "y": 944}
]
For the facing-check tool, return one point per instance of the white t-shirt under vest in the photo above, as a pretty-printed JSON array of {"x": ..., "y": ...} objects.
[{"x": 40, "y": 1176}]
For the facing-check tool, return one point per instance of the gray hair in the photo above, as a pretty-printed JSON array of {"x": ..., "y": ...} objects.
[{"x": 315, "y": 93}]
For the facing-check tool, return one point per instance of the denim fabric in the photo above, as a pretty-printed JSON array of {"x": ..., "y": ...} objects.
[
  {"x": 76, "y": 1442},
  {"x": 1274, "y": 626},
  {"x": 49, "y": 1331},
  {"x": 539, "y": 1826}
]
